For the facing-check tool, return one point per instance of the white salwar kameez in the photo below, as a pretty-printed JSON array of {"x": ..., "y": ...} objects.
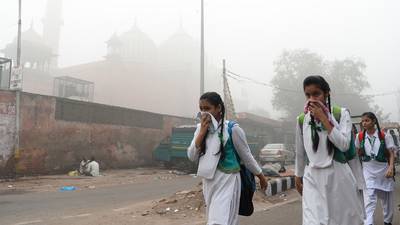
[
  {"x": 377, "y": 185},
  {"x": 330, "y": 190},
  {"x": 222, "y": 190}
]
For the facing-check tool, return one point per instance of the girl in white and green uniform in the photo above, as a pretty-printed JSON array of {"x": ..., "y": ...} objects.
[
  {"x": 219, "y": 165},
  {"x": 377, "y": 151},
  {"x": 323, "y": 175}
]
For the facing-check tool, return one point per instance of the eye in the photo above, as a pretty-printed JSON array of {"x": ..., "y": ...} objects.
[{"x": 317, "y": 94}]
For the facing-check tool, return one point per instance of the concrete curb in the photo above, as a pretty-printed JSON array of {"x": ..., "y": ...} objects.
[{"x": 279, "y": 185}]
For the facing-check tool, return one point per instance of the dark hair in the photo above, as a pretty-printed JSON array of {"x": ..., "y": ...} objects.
[
  {"x": 373, "y": 117},
  {"x": 214, "y": 99},
  {"x": 322, "y": 84},
  {"x": 354, "y": 129},
  {"x": 316, "y": 80},
  {"x": 92, "y": 158}
]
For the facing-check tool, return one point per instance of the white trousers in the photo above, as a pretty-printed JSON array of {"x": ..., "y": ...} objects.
[{"x": 371, "y": 197}]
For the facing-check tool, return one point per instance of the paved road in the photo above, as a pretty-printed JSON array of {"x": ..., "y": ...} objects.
[
  {"x": 290, "y": 214},
  {"x": 21, "y": 207}
]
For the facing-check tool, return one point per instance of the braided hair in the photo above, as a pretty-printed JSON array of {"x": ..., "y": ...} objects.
[
  {"x": 374, "y": 118},
  {"x": 215, "y": 99},
  {"x": 322, "y": 84}
]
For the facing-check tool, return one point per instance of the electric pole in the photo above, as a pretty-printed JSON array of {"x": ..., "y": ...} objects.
[
  {"x": 19, "y": 35},
  {"x": 202, "y": 50},
  {"x": 230, "y": 112}
]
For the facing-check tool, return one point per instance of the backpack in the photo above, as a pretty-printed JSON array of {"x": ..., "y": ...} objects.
[
  {"x": 339, "y": 156},
  {"x": 248, "y": 183},
  {"x": 382, "y": 155}
]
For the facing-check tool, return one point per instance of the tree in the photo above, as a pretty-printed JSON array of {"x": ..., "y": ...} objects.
[
  {"x": 346, "y": 78},
  {"x": 290, "y": 70}
]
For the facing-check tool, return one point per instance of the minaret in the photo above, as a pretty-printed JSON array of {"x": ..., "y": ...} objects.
[{"x": 52, "y": 23}]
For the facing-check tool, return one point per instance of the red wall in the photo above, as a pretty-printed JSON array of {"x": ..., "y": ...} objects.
[{"x": 51, "y": 145}]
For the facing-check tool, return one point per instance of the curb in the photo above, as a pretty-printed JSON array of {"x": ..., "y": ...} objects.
[{"x": 279, "y": 185}]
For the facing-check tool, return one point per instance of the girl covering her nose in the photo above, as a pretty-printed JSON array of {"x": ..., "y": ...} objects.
[
  {"x": 219, "y": 155},
  {"x": 323, "y": 175}
]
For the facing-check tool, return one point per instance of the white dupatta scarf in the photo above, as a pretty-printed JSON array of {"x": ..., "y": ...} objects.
[{"x": 209, "y": 161}]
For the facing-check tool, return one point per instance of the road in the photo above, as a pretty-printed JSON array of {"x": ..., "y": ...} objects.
[
  {"x": 60, "y": 207},
  {"x": 290, "y": 214},
  {"x": 22, "y": 208}
]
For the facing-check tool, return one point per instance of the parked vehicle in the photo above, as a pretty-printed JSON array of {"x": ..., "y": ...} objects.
[
  {"x": 172, "y": 151},
  {"x": 278, "y": 152}
]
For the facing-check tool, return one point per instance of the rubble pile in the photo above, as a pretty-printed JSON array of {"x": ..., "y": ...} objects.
[{"x": 185, "y": 203}]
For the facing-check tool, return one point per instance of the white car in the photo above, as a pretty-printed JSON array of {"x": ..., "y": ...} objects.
[{"x": 272, "y": 153}]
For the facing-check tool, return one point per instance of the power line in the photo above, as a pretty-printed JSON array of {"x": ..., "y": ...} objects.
[
  {"x": 384, "y": 94},
  {"x": 238, "y": 77}
]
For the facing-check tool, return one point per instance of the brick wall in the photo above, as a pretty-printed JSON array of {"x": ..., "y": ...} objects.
[
  {"x": 56, "y": 133},
  {"x": 7, "y": 132}
]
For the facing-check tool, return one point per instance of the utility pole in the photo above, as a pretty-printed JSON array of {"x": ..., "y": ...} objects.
[
  {"x": 202, "y": 50},
  {"x": 229, "y": 106},
  {"x": 17, "y": 93},
  {"x": 19, "y": 34}
]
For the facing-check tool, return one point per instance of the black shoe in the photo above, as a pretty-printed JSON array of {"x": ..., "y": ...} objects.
[{"x": 387, "y": 223}]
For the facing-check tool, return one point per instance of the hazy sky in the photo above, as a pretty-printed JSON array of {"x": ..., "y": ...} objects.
[{"x": 250, "y": 34}]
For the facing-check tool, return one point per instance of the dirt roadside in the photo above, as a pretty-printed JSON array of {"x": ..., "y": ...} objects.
[{"x": 107, "y": 179}]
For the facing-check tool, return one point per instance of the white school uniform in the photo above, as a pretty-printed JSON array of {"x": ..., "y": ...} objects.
[
  {"x": 377, "y": 185},
  {"x": 330, "y": 190},
  {"x": 222, "y": 190}
]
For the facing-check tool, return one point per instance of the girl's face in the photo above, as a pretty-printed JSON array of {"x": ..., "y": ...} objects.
[
  {"x": 314, "y": 93},
  {"x": 206, "y": 106},
  {"x": 367, "y": 123}
]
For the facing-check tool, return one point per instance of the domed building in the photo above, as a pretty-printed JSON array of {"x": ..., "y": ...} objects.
[
  {"x": 36, "y": 54},
  {"x": 132, "y": 46},
  {"x": 179, "y": 50},
  {"x": 39, "y": 52},
  {"x": 114, "y": 48},
  {"x": 179, "y": 69},
  {"x": 134, "y": 73},
  {"x": 36, "y": 60},
  {"x": 127, "y": 73}
]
